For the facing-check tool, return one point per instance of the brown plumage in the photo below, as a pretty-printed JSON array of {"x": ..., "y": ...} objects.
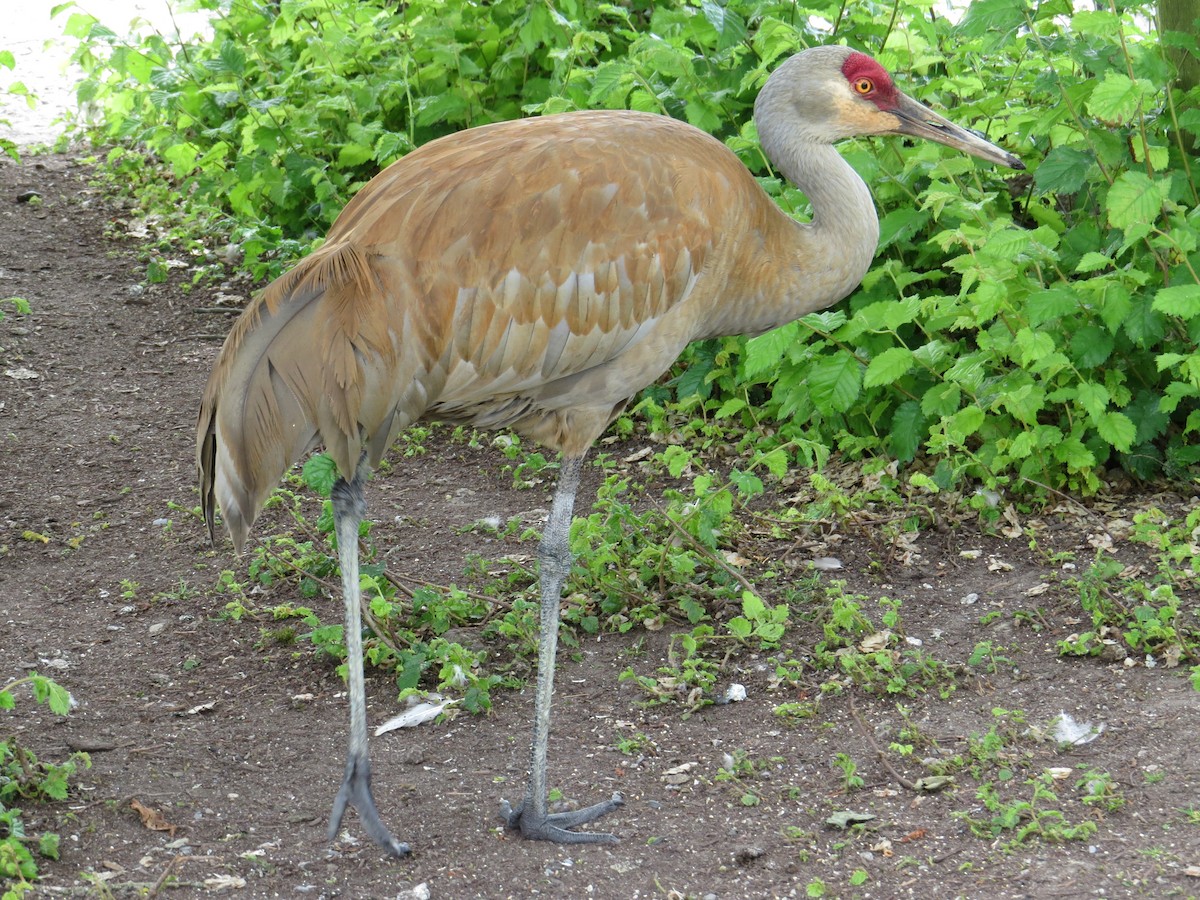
[{"x": 534, "y": 275}]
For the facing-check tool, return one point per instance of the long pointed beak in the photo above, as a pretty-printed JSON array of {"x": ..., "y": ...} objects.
[{"x": 918, "y": 120}]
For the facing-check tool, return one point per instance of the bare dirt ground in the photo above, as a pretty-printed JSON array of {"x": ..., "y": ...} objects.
[{"x": 237, "y": 743}]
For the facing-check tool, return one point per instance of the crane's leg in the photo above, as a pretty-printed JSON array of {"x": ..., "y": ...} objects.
[
  {"x": 554, "y": 564},
  {"x": 349, "y": 508}
]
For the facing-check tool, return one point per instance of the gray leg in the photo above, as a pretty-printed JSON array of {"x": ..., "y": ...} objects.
[
  {"x": 349, "y": 508},
  {"x": 554, "y": 562}
]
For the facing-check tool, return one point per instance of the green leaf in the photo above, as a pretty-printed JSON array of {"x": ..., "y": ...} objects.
[
  {"x": 1075, "y": 455},
  {"x": 901, "y": 312},
  {"x": 1063, "y": 170},
  {"x": 747, "y": 483},
  {"x": 834, "y": 383},
  {"x": 888, "y": 367},
  {"x": 1146, "y": 414},
  {"x": 609, "y": 78},
  {"x": 1046, "y": 306},
  {"x": 901, "y": 225},
  {"x": 994, "y": 18},
  {"x": 51, "y": 693},
  {"x": 1117, "y": 98},
  {"x": 909, "y": 429},
  {"x": 48, "y": 845},
  {"x": 963, "y": 423},
  {"x": 941, "y": 400},
  {"x": 1033, "y": 345},
  {"x": 80, "y": 25},
  {"x": 677, "y": 459},
  {"x": 740, "y": 627},
  {"x": 351, "y": 155},
  {"x": 775, "y": 461},
  {"x": 1093, "y": 398},
  {"x": 1091, "y": 346},
  {"x": 1182, "y": 301},
  {"x": 764, "y": 352},
  {"x": 1134, "y": 199},
  {"x": 1093, "y": 262},
  {"x": 752, "y": 606},
  {"x": 233, "y": 59},
  {"x": 1117, "y": 429},
  {"x": 1143, "y": 324},
  {"x": 730, "y": 407},
  {"x": 319, "y": 473}
]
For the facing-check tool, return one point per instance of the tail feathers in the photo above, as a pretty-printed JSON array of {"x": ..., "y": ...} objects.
[{"x": 296, "y": 370}]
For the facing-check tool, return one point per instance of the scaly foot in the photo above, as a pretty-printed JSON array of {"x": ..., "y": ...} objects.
[
  {"x": 554, "y": 826},
  {"x": 356, "y": 791}
]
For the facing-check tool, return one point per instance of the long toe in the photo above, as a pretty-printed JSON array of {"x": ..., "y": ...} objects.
[
  {"x": 555, "y": 827},
  {"x": 356, "y": 791}
]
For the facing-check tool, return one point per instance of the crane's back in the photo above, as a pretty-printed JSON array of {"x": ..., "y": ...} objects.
[{"x": 531, "y": 275}]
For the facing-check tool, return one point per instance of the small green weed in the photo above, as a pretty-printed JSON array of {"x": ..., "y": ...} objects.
[
  {"x": 25, "y": 778},
  {"x": 876, "y": 658},
  {"x": 1025, "y": 818},
  {"x": 851, "y": 780},
  {"x": 19, "y": 305},
  {"x": 1143, "y": 616}
]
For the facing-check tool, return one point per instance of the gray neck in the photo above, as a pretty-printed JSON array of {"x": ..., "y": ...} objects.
[{"x": 837, "y": 246}]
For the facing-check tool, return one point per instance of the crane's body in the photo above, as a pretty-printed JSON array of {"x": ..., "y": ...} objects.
[
  {"x": 458, "y": 285},
  {"x": 534, "y": 275}
]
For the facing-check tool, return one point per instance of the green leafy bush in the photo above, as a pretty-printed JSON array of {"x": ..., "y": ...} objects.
[{"x": 1032, "y": 330}]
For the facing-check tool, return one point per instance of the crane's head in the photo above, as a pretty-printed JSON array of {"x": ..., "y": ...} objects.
[{"x": 836, "y": 92}]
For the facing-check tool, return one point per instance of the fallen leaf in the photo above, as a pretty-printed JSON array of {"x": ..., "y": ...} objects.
[
  {"x": 884, "y": 847},
  {"x": 933, "y": 783},
  {"x": 844, "y": 818},
  {"x": 225, "y": 882},
  {"x": 152, "y": 818},
  {"x": 873, "y": 643}
]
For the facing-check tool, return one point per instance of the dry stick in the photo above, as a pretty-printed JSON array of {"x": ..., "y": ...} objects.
[{"x": 904, "y": 782}]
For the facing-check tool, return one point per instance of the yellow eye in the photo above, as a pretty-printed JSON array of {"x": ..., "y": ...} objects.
[{"x": 864, "y": 86}]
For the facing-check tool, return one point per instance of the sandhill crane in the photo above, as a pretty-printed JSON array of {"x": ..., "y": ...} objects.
[{"x": 534, "y": 275}]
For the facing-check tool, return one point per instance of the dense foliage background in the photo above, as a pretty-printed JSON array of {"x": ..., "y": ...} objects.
[{"x": 1017, "y": 329}]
